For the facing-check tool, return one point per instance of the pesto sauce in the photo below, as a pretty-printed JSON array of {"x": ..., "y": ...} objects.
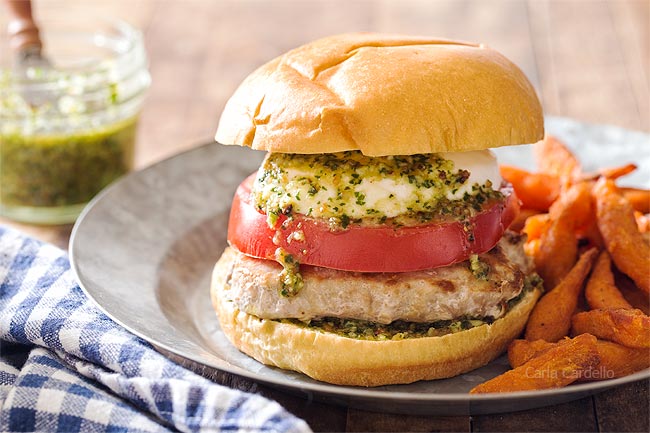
[
  {"x": 479, "y": 268},
  {"x": 397, "y": 330},
  {"x": 351, "y": 188},
  {"x": 291, "y": 281},
  {"x": 63, "y": 169}
]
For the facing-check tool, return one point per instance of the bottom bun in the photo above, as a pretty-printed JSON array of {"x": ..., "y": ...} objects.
[{"x": 347, "y": 361}]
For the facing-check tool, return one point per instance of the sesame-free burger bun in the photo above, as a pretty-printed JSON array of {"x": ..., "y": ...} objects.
[
  {"x": 383, "y": 95},
  {"x": 347, "y": 361}
]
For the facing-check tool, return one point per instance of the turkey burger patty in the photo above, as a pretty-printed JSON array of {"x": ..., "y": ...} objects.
[{"x": 431, "y": 295}]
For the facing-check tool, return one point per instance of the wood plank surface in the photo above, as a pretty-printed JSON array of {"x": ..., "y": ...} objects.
[
  {"x": 589, "y": 60},
  {"x": 630, "y": 21},
  {"x": 363, "y": 421},
  {"x": 624, "y": 409},
  {"x": 577, "y": 56},
  {"x": 574, "y": 416}
]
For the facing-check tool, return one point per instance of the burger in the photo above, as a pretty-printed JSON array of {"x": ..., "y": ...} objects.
[{"x": 371, "y": 246}]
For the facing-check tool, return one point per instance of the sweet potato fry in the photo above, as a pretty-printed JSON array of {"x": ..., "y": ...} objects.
[
  {"x": 578, "y": 201},
  {"x": 642, "y": 221},
  {"x": 631, "y": 292},
  {"x": 520, "y": 220},
  {"x": 535, "y": 190},
  {"x": 533, "y": 228},
  {"x": 555, "y": 158},
  {"x": 586, "y": 223},
  {"x": 638, "y": 198},
  {"x": 521, "y": 351},
  {"x": 557, "y": 252},
  {"x": 589, "y": 237},
  {"x": 589, "y": 234},
  {"x": 617, "y": 224},
  {"x": 601, "y": 291},
  {"x": 630, "y": 328},
  {"x": 615, "y": 360},
  {"x": 559, "y": 366},
  {"x": 611, "y": 172},
  {"x": 558, "y": 247},
  {"x": 551, "y": 317},
  {"x": 536, "y": 225},
  {"x": 616, "y": 172}
]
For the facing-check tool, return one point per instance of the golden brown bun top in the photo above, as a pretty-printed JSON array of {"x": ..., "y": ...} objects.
[{"x": 384, "y": 95}]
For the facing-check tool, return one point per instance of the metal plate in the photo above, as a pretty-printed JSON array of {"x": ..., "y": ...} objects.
[{"x": 143, "y": 250}]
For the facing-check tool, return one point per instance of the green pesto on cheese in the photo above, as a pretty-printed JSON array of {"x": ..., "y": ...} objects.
[{"x": 349, "y": 187}]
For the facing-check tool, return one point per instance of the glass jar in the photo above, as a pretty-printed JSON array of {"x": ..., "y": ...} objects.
[{"x": 68, "y": 130}]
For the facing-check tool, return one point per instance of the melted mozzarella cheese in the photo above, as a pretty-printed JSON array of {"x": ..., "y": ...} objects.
[
  {"x": 355, "y": 186},
  {"x": 482, "y": 166}
]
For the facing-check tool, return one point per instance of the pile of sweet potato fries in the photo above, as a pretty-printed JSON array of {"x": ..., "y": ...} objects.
[{"x": 589, "y": 240}]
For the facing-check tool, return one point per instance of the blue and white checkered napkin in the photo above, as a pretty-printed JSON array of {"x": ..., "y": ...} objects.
[{"x": 65, "y": 366}]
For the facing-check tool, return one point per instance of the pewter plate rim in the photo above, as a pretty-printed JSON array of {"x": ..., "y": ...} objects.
[{"x": 81, "y": 258}]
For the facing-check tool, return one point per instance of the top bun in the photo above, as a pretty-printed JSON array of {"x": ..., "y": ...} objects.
[{"x": 383, "y": 95}]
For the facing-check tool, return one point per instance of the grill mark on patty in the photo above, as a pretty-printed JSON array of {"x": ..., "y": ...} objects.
[{"x": 447, "y": 285}]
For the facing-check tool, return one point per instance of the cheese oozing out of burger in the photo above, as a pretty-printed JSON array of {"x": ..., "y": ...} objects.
[{"x": 371, "y": 247}]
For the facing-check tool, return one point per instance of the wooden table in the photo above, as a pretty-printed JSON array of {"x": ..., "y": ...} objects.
[{"x": 589, "y": 60}]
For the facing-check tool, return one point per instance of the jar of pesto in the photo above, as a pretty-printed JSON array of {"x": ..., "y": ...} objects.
[{"x": 67, "y": 129}]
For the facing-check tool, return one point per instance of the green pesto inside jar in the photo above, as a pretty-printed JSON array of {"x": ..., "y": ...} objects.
[
  {"x": 67, "y": 128},
  {"x": 64, "y": 169}
]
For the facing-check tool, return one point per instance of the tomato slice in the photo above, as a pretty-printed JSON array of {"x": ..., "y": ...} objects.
[{"x": 366, "y": 249}]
